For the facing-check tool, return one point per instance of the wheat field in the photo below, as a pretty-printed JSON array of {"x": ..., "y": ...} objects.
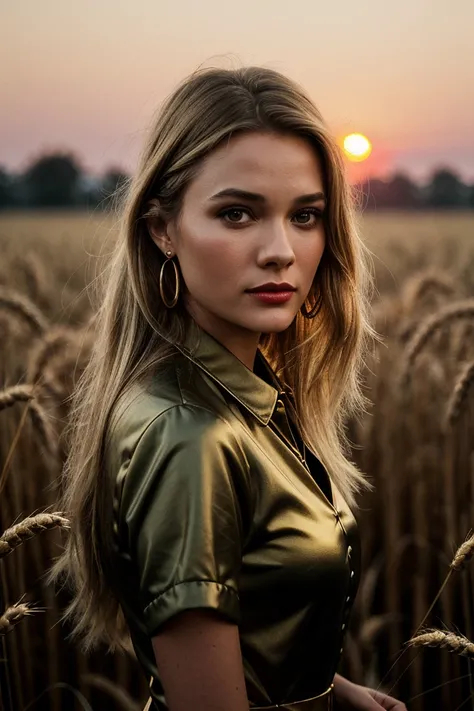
[{"x": 416, "y": 444}]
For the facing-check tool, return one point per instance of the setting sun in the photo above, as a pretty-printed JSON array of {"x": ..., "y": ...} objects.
[{"x": 357, "y": 147}]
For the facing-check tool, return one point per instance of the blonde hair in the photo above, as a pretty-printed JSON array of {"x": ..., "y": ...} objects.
[{"x": 319, "y": 358}]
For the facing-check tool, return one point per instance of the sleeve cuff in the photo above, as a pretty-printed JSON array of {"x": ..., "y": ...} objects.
[{"x": 192, "y": 595}]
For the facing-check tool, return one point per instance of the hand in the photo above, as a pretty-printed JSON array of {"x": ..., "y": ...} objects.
[{"x": 353, "y": 697}]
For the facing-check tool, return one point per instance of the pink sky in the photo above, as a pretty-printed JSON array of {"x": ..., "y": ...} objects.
[{"x": 88, "y": 76}]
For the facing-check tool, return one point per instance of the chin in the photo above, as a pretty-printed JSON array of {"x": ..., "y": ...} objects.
[{"x": 275, "y": 324}]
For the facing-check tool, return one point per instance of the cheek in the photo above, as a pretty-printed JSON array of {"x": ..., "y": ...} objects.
[
  {"x": 209, "y": 259},
  {"x": 309, "y": 258}
]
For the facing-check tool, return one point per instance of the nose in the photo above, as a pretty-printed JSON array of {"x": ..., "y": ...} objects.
[{"x": 276, "y": 248}]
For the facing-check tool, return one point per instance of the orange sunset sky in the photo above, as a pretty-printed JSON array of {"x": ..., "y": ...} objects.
[{"x": 87, "y": 76}]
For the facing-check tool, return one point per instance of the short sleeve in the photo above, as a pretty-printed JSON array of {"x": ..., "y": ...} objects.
[{"x": 182, "y": 510}]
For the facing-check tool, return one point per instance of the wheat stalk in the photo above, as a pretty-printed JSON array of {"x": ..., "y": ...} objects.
[
  {"x": 29, "y": 527},
  {"x": 427, "y": 328},
  {"x": 446, "y": 640},
  {"x": 14, "y": 614},
  {"x": 16, "y": 393},
  {"x": 20, "y": 305},
  {"x": 55, "y": 341},
  {"x": 462, "y": 555},
  {"x": 424, "y": 282},
  {"x": 41, "y": 422},
  {"x": 458, "y": 396},
  {"x": 417, "y": 288},
  {"x": 25, "y": 393}
]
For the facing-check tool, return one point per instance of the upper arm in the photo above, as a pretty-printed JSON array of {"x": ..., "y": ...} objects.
[
  {"x": 183, "y": 512},
  {"x": 199, "y": 662}
]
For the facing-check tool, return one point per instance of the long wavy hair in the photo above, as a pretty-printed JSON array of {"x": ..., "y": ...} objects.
[{"x": 319, "y": 358}]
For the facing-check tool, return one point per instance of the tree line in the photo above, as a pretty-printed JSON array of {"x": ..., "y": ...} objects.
[{"x": 57, "y": 180}]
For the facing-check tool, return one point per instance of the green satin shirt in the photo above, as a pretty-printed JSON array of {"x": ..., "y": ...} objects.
[{"x": 215, "y": 507}]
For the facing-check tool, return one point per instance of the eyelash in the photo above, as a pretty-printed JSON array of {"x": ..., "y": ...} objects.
[{"x": 304, "y": 225}]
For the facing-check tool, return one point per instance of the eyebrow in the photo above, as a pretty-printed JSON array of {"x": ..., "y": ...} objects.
[{"x": 256, "y": 197}]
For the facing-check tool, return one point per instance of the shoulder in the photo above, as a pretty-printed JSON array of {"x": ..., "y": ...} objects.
[
  {"x": 155, "y": 421},
  {"x": 166, "y": 447},
  {"x": 180, "y": 452}
]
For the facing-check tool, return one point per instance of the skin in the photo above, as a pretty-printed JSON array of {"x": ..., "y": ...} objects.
[
  {"x": 222, "y": 255},
  {"x": 224, "y": 246}
]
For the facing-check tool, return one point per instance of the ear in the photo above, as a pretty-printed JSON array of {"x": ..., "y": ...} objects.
[{"x": 158, "y": 227}]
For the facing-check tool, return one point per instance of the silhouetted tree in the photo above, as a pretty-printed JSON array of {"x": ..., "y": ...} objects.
[
  {"x": 52, "y": 181},
  {"x": 90, "y": 192},
  {"x": 403, "y": 192},
  {"x": 446, "y": 189},
  {"x": 373, "y": 193},
  {"x": 113, "y": 179},
  {"x": 398, "y": 192},
  {"x": 470, "y": 196},
  {"x": 7, "y": 189}
]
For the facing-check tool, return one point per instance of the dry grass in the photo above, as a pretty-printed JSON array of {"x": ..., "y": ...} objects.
[
  {"x": 460, "y": 394},
  {"x": 415, "y": 443}
]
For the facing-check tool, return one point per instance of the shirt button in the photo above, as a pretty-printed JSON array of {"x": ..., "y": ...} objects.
[
  {"x": 343, "y": 626},
  {"x": 348, "y": 599},
  {"x": 349, "y": 550},
  {"x": 352, "y": 573},
  {"x": 341, "y": 650}
]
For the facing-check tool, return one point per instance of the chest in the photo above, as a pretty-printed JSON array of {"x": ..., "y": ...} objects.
[{"x": 299, "y": 539}]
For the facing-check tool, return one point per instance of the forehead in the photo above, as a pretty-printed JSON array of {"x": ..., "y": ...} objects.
[{"x": 261, "y": 162}]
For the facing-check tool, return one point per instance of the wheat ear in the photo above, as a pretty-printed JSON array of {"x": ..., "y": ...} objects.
[
  {"x": 427, "y": 328},
  {"x": 424, "y": 282},
  {"x": 14, "y": 614},
  {"x": 461, "y": 390},
  {"x": 446, "y": 640},
  {"x": 20, "y": 305},
  {"x": 29, "y": 527},
  {"x": 16, "y": 393},
  {"x": 25, "y": 393},
  {"x": 463, "y": 554}
]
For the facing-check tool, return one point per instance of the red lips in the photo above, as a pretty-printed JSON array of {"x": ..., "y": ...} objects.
[{"x": 273, "y": 286}]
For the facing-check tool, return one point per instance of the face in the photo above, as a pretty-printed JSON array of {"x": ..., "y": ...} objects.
[{"x": 252, "y": 216}]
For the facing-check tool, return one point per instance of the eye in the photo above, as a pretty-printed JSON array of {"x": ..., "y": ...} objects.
[
  {"x": 234, "y": 215},
  {"x": 309, "y": 217}
]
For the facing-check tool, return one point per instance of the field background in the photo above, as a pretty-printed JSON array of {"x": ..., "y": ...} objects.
[{"x": 415, "y": 442}]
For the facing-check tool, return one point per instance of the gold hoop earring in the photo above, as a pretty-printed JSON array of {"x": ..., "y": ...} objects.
[
  {"x": 169, "y": 304},
  {"x": 315, "y": 309}
]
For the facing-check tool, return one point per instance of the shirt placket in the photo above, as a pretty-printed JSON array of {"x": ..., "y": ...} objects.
[{"x": 280, "y": 421}]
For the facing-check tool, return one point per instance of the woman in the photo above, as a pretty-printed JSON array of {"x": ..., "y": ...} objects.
[{"x": 207, "y": 481}]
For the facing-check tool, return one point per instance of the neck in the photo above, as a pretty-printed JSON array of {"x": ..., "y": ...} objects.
[{"x": 241, "y": 342}]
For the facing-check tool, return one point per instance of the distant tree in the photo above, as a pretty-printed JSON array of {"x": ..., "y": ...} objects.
[
  {"x": 402, "y": 192},
  {"x": 446, "y": 190},
  {"x": 112, "y": 180},
  {"x": 7, "y": 189},
  {"x": 373, "y": 193},
  {"x": 89, "y": 192},
  {"x": 470, "y": 196},
  {"x": 52, "y": 181},
  {"x": 110, "y": 187}
]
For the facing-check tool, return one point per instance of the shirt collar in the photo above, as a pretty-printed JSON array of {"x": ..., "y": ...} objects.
[{"x": 256, "y": 394}]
